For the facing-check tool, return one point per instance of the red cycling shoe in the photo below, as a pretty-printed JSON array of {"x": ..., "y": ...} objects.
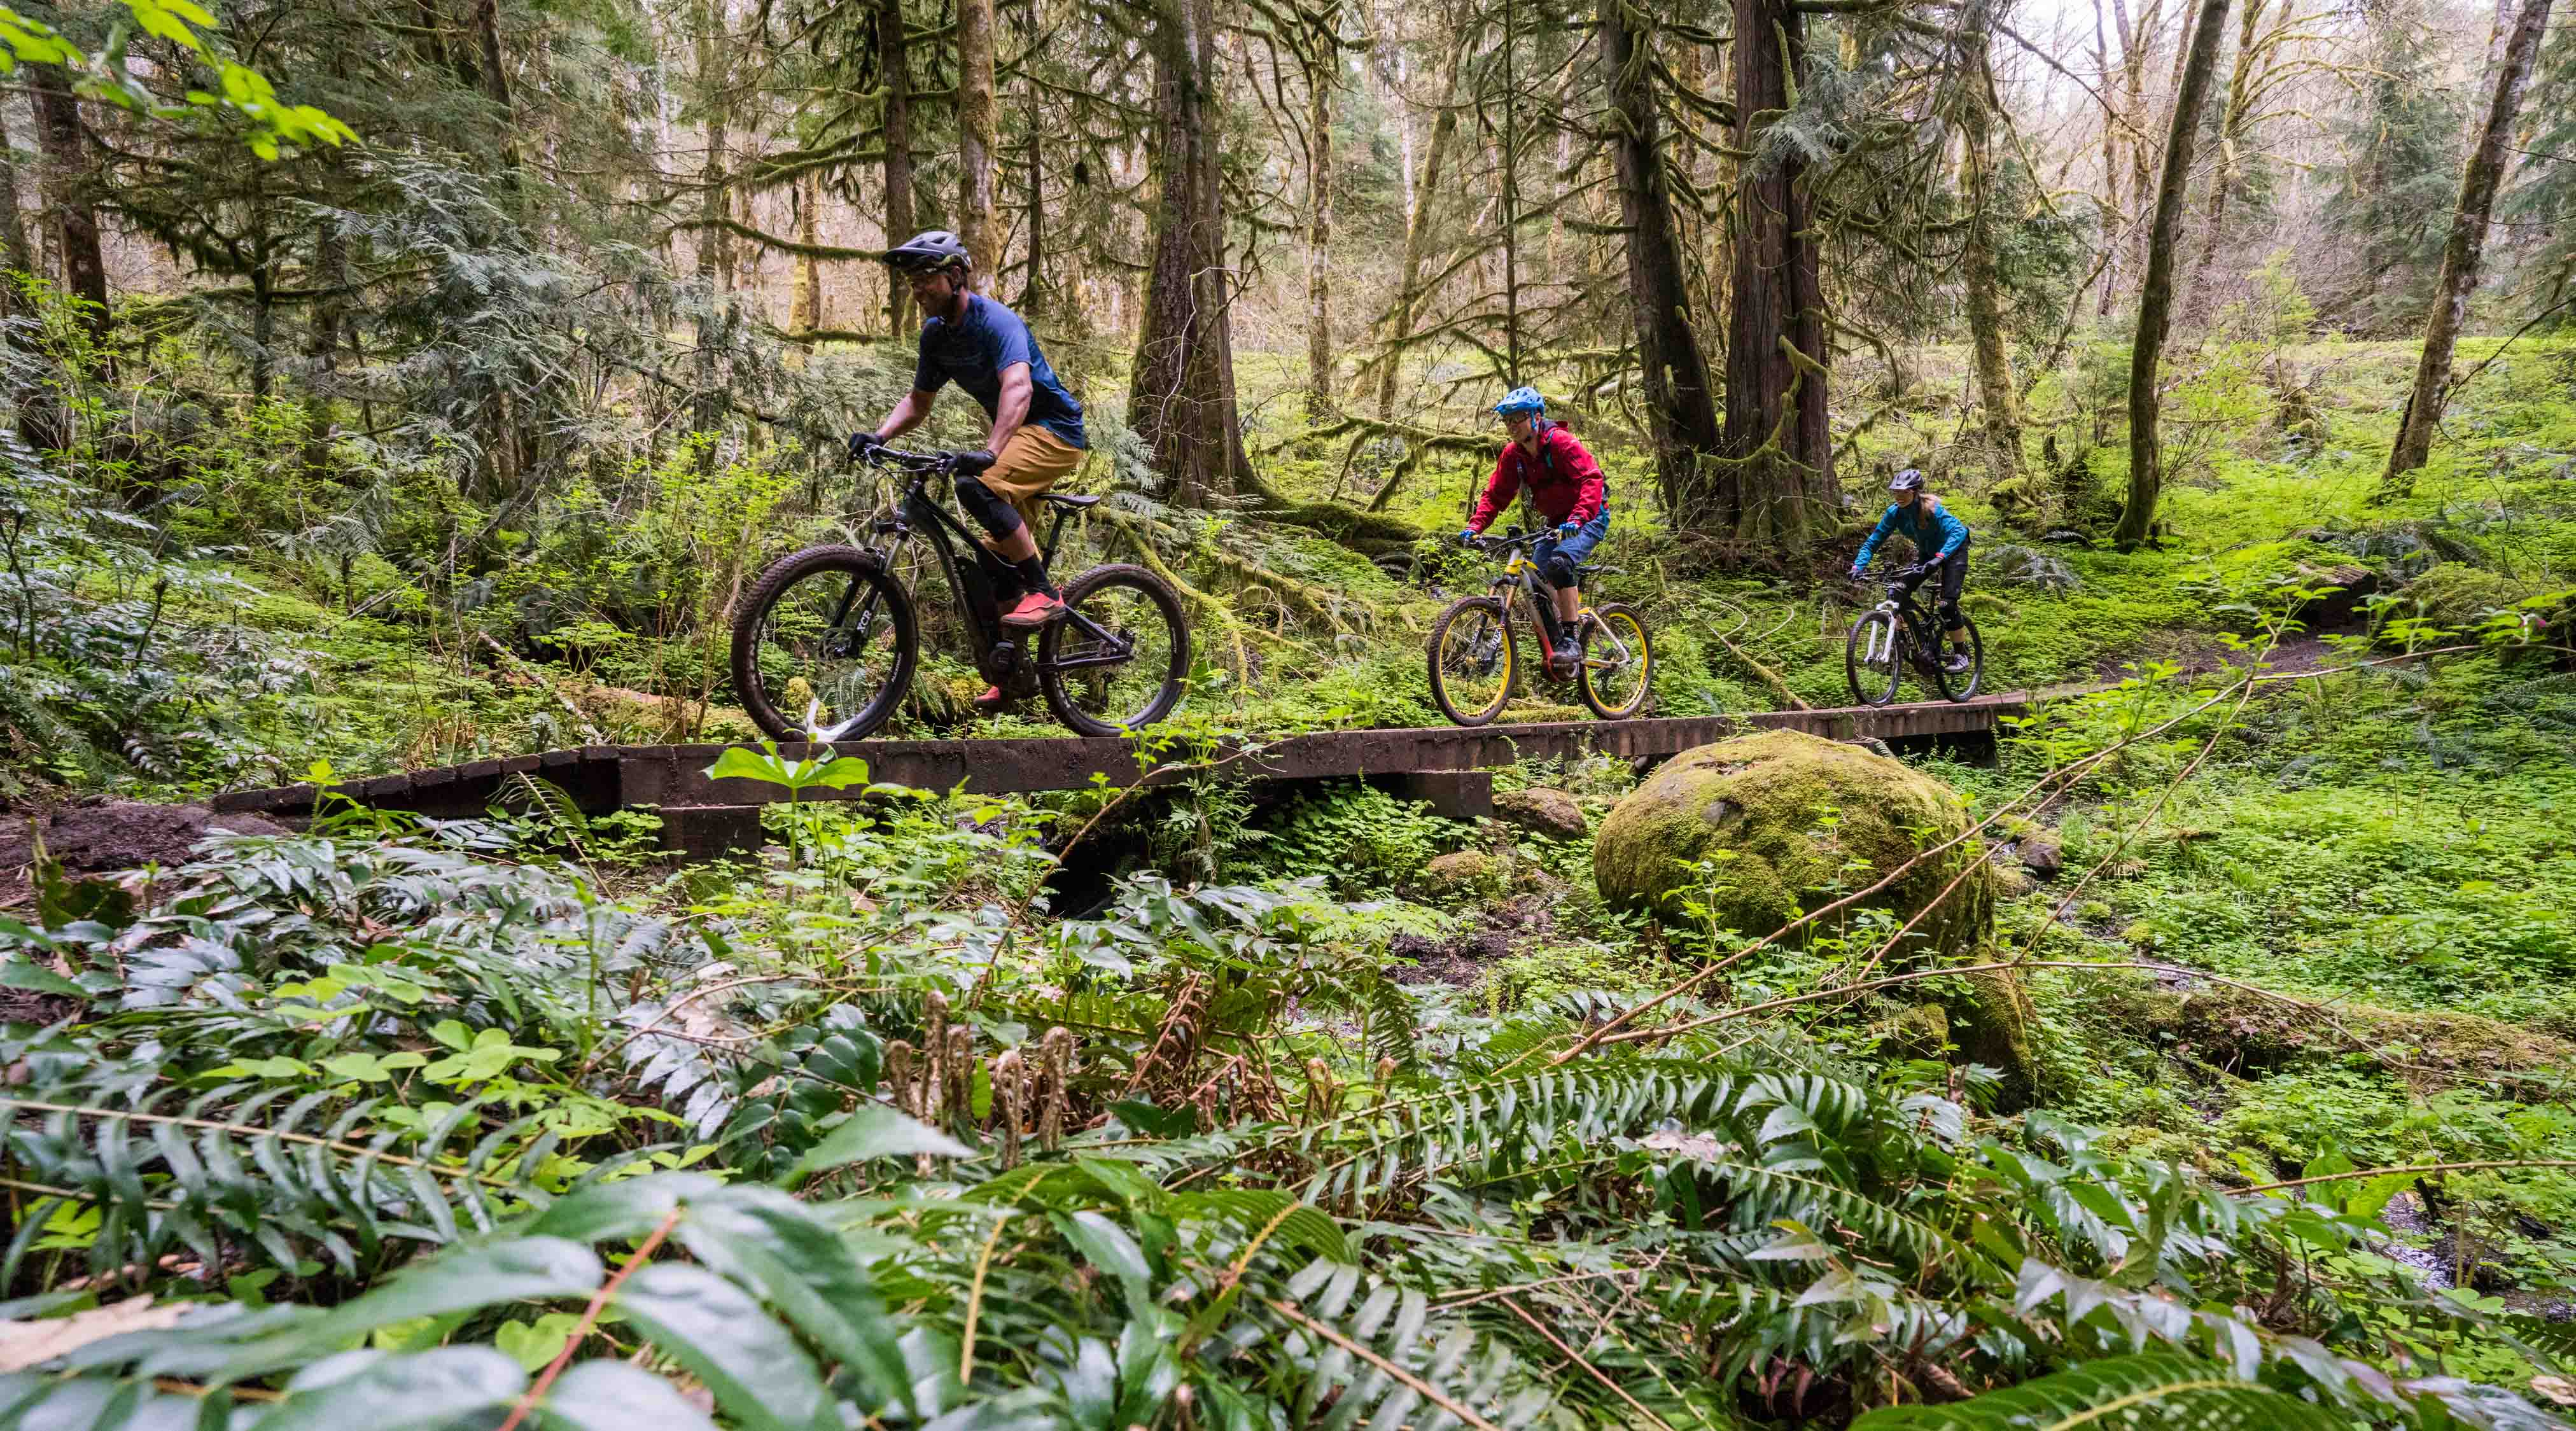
[{"x": 1033, "y": 611}]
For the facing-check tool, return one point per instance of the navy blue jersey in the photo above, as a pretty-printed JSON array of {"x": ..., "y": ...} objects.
[{"x": 973, "y": 351}]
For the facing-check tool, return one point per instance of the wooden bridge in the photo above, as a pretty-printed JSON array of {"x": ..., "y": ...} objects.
[{"x": 1450, "y": 767}]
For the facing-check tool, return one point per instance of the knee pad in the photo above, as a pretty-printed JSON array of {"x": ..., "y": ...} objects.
[
  {"x": 997, "y": 516},
  {"x": 1559, "y": 570},
  {"x": 1951, "y": 619}
]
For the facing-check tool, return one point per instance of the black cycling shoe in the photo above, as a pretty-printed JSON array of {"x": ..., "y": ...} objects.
[{"x": 1568, "y": 654}]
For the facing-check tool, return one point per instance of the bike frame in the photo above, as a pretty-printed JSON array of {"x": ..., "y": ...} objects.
[
  {"x": 997, "y": 654},
  {"x": 1910, "y": 621},
  {"x": 1520, "y": 576}
]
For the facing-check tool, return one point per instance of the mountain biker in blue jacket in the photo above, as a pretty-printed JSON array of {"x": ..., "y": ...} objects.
[{"x": 1920, "y": 518}]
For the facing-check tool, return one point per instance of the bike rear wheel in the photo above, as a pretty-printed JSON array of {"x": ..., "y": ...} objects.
[
  {"x": 1872, "y": 662},
  {"x": 1130, "y": 672},
  {"x": 823, "y": 645},
  {"x": 1960, "y": 685},
  {"x": 1618, "y": 669}
]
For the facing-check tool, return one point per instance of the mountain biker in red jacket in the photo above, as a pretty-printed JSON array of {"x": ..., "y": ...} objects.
[{"x": 1567, "y": 490}]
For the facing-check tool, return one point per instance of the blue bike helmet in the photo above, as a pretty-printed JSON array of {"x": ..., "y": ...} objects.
[{"x": 1521, "y": 400}]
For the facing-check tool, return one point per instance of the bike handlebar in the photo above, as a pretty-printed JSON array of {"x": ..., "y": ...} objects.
[
  {"x": 881, "y": 455},
  {"x": 1492, "y": 546}
]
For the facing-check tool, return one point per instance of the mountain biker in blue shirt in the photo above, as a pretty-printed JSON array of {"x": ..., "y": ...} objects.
[
  {"x": 1037, "y": 437},
  {"x": 1920, "y": 518}
]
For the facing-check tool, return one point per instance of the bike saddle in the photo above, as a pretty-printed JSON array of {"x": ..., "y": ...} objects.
[{"x": 1068, "y": 499}]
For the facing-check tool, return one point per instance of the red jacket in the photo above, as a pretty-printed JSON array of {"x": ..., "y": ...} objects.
[{"x": 1564, "y": 482}]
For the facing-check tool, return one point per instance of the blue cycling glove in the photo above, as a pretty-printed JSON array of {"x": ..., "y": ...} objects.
[
  {"x": 1466, "y": 536},
  {"x": 1565, "y": 531}
]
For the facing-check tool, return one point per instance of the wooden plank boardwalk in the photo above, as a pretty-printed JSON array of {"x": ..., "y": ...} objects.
[{"x": 1450, "y": 766}]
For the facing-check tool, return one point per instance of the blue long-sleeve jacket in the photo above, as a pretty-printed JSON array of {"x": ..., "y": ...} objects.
[{"x": 1917, "y": 524}]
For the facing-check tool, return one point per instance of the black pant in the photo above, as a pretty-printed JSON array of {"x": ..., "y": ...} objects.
[{"x": 1953, "y": 572}]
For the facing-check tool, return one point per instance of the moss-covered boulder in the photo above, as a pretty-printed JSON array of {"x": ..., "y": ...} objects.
[
  {"x": 1540, "y": 811},
  {"x": 2457, "y": 597},
  {"x": 1467, "y": 874},
  {"x": 2243, "y": 1031},
  {"x": 1788, "y": 821}
]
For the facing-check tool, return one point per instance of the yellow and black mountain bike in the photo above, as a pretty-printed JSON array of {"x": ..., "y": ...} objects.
[{"x": 1475, "y": 663}]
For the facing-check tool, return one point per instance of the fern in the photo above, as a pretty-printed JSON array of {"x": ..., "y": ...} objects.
[
  {"x": 2148, "y": 1389},
  {"x": 267, "y": 1179}
]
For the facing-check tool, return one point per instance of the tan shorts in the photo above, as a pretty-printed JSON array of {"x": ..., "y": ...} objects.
[{"x": 1032, "y": 462}]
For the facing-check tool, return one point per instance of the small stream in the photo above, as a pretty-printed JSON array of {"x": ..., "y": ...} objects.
[{"x": 2405, "y": 1213}]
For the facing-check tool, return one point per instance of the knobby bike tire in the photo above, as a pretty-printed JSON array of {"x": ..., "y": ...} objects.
[
  {"x": 1866, "y": 688},
  {"x": 1500, "y": 617},
  {"x": 752, "y": 614},
  {"x": 1632, "y": 633},
  {"x": 1960, "y": 687},
  {"x": 1052, "y": 643}
]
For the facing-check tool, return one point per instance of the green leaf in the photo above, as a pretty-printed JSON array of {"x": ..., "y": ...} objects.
[
  {"x": 19, "y": 974},
  {"x": 1107, "y": 1246},
  {"x": 382, "y": 1392},
  {"x": 463, "y": 1279},
  {"x": 533, "y": 1344},
  {"x": 742, "y": 763},
  {"x": 760, "y": 1376},
  {"x": 839, "y": 773},
  {"x": 612, "y": 1396},
  {"x": 765, "y": 1239},
  {"x": 2150, "y": 1389},
  {"x": 621, "y": 1211},
  {"x": 875, "y": 1131}
]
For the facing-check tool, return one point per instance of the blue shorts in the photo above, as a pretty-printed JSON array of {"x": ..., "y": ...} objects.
[{"x": 1574, "y": 549}]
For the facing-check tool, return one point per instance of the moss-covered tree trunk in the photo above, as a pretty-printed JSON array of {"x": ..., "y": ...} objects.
[
  {"x": 978, "y": 128},
  {"x": 1999, "y": 398},
  {"x": 15, "y": 256},
  {"x": 2155, "y": 293},
  {"x": 1181, "y": 399},
  {"x": 1681, "y": 407},
  {"x": 2465, "y": 251},
  {"x": 805, "y": 313},
  {"x": 2248, "y": 77},
  {"x": 1775, "y": 482},
  {"x": 1417, "y": 232},
  {"x": 68, "y": 210},
  {"x": 894, "y": 65},
  {"x": 1320, "y": 81}
]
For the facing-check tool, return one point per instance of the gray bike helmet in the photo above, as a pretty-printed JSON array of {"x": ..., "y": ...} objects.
[
  {"x": 1909, "y": 480},
  {"x": 931, "y": 249}
]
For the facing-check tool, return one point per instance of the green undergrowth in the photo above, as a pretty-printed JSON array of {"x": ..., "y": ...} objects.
[{"x": 392, "y": 1114}]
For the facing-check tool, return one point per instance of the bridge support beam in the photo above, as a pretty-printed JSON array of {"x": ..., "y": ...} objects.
[{"x": 1457, "y": 794}]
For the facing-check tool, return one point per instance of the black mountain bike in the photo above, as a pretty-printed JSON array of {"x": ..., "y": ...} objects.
[
  {"x": 826, "y": 641},
  {"x": 1475, "y": 666},
  {"x": 1897, "y": 633}
]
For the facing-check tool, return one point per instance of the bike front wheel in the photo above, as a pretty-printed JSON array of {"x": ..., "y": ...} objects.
[
  {"x": 823, "y": 645},
  {"x": 1871, "y": 660},
  {"x": 1618, "y": 668},
  {"x": 1120, "y": 657},
  {"x": 1473, "y": 662},
  {"x": 1960, "y": 685}
]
